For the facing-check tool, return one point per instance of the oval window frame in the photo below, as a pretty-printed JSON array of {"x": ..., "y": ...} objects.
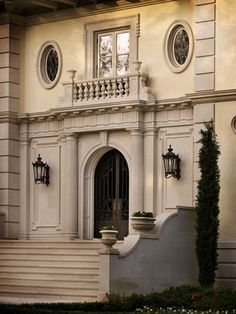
[
  {"x": 233, "y": 124},
  {"x": 42, "y": 61},
  {"x": 169, "y": 43}
]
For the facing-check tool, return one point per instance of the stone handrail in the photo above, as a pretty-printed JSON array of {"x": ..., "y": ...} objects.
[{"x": 106, "y": 90}]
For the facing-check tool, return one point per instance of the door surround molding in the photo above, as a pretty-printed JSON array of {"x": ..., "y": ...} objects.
[{"x": 86, "y": 184}]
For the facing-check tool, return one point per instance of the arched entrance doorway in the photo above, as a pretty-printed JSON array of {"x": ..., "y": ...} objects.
[{"x": 111, "y": 193}]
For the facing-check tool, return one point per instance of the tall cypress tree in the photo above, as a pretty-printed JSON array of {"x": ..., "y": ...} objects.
[{"x": 207, "y": 206}]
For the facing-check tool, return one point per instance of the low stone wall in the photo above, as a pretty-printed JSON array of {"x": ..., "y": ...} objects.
[
  {"x": 226, "y": 273},
  {"x": 153, "y": 261}
]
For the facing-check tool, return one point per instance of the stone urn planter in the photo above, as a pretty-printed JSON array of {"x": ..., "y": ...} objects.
[
  {"x": 143, "y": 221},
  {"x": 109, "y": 237}
]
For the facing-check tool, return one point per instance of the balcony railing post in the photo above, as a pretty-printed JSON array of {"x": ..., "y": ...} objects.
[
  {"x": 114, "y": 87},
  {"x": 97, "y": 90},
  {"x": 103, "y": 89},
  {"x": 91, "y": 90}
]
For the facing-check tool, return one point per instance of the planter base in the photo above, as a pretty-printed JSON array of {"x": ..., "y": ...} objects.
[{"x": 142, "y": 223}]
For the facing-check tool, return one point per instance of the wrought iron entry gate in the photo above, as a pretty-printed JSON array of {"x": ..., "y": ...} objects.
[{"x": 111, "y": 204}]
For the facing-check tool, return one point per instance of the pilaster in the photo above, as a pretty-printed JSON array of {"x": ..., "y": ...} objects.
[
  {"x": 137, "y": 171},
  {"x": 71, "y": 178},
  {"x": 10, "y": 36},
  {"x": 205, "y": 45},
  {"x": 150, "y": 168},
  {"x": 25, "y": 179},
  {"x": 205, "y": 35}
]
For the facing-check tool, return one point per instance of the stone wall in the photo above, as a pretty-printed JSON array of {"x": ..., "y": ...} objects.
[{"x": 153, "y": 261}]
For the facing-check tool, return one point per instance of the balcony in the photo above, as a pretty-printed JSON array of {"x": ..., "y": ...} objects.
[{"x": 98, "y": 91}]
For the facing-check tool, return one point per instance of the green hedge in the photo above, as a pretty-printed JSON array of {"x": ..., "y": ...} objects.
[{"x": 195, "y": 298}]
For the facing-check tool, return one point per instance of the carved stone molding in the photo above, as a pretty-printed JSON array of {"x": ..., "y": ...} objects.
[{"x": 212, "y": 96}]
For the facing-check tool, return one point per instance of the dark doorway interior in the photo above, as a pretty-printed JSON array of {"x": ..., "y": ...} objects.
[{"x": 111, "y": 201}]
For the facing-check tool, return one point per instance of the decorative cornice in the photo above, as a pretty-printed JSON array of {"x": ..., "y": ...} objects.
[
  {"x": 172, "y": 103},
  {"x": 74, "y": 111},
  {"x": 165, "y": 104},
  {"x": 212, "y": 96},
  {"x": 92, "y": 9},
  {"x": 8, "y": 117}
]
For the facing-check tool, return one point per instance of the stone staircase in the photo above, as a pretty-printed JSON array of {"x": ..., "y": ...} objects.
[{"x": 49, "y": 270}]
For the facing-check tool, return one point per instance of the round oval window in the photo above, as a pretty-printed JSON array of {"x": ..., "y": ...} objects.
[
  {"x": 49, "y": 64},
  {"x": 178, "y": 46}
]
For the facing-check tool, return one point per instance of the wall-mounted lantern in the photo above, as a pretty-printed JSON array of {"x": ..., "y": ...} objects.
[
  {"x": 171, "y": 164},
  {"x": 41, "y": 171}
]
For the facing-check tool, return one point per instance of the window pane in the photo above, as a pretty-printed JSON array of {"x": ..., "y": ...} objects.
[
  {"x": 181, "y": 46},
  {"x": 52, "y": 64},
  {"x": 105, "y": 58},
  {"x": 105, "y": 66},
  {"x": 105, "y": 45},
  {"x": 122, "y": 43},
  {"x": 122, "y": 63}
]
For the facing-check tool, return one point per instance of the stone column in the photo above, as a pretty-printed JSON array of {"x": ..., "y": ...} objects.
[
  {"x": 137, "y": 171},
  {"x": 10, "y": 39},
  {"x": 71, "y": 179},
  {"x": 150, "y": 170}
]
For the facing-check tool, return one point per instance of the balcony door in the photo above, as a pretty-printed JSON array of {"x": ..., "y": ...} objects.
[{"x": 111, "y": 201}]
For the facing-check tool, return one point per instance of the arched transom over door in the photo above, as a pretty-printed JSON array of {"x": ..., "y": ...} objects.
[{"x": 111, "y": 200}]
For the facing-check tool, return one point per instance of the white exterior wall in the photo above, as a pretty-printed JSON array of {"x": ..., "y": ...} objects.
[
  {"x": 153, "y": 261},
  {"x": 168, "y": 123},
  {"x": 226, "y": 57},
  {"x": 65, "y": 207},
  {"x": 73, "y": 139},
  {"x": 224, "y": 114},
  {"x": 227, "y": 141},
  {"x": 70, "y": 36}
]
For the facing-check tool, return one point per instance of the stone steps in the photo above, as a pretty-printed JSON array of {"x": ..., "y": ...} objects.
[
  {"x": 63, "y": 271},
  {"x": 51, "y": 270},
  {"x": 46, "y": 251},
  {"x": 49, "y": 276},
  {"x": 48, "y": 263},
  {"x": 47, "y": 257},
  {"x": 80, "y": 295},
  {"x": 73, "y": 244}
]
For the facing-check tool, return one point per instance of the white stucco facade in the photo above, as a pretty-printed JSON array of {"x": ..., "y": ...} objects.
[{"x": 156, "y": 108}]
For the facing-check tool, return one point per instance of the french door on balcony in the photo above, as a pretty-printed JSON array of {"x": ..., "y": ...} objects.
[{"x": 111, "y": 201}]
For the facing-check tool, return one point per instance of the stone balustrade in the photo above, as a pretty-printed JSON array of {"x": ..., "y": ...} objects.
[
  {"x": 101, "y": 89},
  {"x": 106, "y": 90}
]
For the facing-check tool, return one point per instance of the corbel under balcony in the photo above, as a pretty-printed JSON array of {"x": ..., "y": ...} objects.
[{"x": 105, "y": 91}]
